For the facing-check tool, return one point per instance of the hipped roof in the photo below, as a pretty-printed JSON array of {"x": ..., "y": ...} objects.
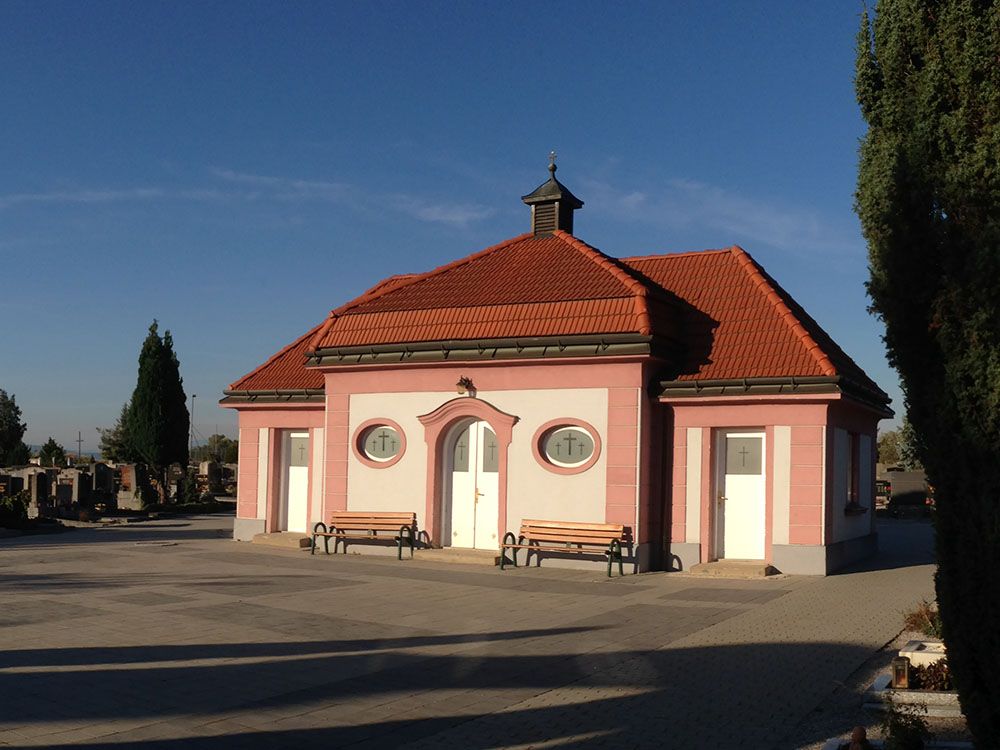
[{"x": 725, "y": 316}]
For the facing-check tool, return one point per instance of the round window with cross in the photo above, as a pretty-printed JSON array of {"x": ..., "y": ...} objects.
[
  {"x": 380, "y": 443},
  {"x": 568, "y": 446}
]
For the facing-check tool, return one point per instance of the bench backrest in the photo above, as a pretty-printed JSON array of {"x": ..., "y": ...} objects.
[
  {"x": 363, "y": 521},
  {"x": 572, "y": 531}
]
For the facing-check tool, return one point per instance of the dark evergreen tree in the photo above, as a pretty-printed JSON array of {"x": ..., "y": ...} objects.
[
  {"x": 52, "y": 454},
  {"x": 928, "y": 81},
  {"x": 20, "y": 456},
  {"x": 158, "y": 419},
  {"x": 13, "y": 451}
]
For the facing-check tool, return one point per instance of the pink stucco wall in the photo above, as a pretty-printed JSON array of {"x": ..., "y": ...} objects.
[
  {"x": 246, "y": 478},
  {"x": 805, "y": 512},
  {"x": 623, "y": 380},
  {"x": 807, "y": 419},
  {"x": 678, "y": 485},
  {"x": 251, "y": 419},
  {"x": 337, "y": 449}
]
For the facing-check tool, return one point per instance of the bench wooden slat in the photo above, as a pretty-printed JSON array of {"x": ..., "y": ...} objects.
[
  {"x": 380, "y": 519},
  {"x": 554, "y": 549},
  {"x": 571, "y": 532},
  {"x": 571, "y": 525},
  {"x": 373, "y": 525}
]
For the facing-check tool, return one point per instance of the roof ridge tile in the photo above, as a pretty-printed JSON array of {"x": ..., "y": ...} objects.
[
  {"x": 639, "y": 290},
  {"x": 761, "y": 281},
  {"x": 683, "y": 254}
]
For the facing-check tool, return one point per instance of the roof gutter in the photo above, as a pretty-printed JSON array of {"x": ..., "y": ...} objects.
[
  {"x": 279, "y": 396},
  {"x": 542, "y": 347},
  {"x": 776, "y": 386}
]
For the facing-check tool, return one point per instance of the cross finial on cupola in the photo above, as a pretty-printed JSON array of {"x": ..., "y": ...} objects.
[{"x": 552, "y": 204}]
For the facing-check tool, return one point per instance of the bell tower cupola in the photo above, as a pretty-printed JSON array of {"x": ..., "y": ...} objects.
[{"x": 552, "y": 204}]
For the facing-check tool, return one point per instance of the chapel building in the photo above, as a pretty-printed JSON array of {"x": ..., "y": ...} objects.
[{"x": 686, "y": 396}]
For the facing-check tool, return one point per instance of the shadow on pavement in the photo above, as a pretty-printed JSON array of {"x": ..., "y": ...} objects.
[
  {"x": 339, "y": 693},
  {"x": 175, "y": 529}
]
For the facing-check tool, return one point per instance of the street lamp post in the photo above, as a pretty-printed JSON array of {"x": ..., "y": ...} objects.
[{"x": 191, "y": 435}]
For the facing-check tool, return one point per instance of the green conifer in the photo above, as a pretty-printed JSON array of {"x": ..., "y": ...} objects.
[
  {"x": 158, "y": 419},
  {"x": 928, "y": 81}
]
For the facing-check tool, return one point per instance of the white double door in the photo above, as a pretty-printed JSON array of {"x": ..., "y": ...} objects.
[
  {"x": 740, "y": 502},
  {"x": 295, "y": 503},
  {"x": 473, "y": 506}
]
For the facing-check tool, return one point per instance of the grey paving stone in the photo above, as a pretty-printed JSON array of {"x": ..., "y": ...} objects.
[
  {"x": 730, "y": 595},
  {"x": 211, "y": 644}
]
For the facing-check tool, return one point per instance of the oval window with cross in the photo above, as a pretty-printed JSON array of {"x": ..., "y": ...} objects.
[
  {"x": 568, "y": 446},
  {"x": 380, "y": 443}
]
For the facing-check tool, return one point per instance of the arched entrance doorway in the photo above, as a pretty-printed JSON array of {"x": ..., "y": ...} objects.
[
  {"x": 472, "y": 484},
  {"x": 467, "y": 429}
]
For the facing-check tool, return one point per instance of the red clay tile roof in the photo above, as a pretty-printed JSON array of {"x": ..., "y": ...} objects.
[
  {"x": 527, "y": 286},
  {"x": 732, "y": 319},
  {"x": 741, "y": 323},
  {"x": 285, "y": 370}
]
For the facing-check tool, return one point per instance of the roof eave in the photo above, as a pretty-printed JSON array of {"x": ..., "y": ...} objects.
[
  {"x": 876, "y": 400},
  {"x": 274, "y": 396},
  {"x": 473, "y": 350}
]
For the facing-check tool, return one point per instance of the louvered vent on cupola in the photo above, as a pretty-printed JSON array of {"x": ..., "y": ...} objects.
[{"x": 552, "y": 204}]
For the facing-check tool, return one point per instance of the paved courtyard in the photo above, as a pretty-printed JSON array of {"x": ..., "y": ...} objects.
[{"x": 166, "y": 634}]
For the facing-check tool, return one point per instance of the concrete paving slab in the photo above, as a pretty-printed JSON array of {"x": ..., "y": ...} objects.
[{"x": 110, "y": 639}]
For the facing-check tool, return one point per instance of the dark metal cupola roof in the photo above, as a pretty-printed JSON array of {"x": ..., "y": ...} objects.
[{"x": 552, "y": 204}]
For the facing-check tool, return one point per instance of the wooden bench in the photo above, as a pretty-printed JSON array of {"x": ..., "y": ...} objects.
[
  {"x": 566, "y": 536},
  {"x": 363, "y": 526}
]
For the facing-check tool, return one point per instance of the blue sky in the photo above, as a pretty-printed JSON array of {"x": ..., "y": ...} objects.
[{"x": 236, "y": 170}]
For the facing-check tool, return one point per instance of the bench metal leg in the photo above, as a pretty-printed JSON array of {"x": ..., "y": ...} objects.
[
  {"x": 407, "y": 532},
  {"x": 503, "y": 550},
  {"x": 615, "y": 553},
  {"x": 319, "y": 528}
]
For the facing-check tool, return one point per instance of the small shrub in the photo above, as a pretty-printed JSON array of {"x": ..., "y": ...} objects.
[
  {"x": 934, "y": 676},
  {"x": 924, "y": 619},
  {"x": 14, "y": 510},
  {"x": 904, "y": 727}
]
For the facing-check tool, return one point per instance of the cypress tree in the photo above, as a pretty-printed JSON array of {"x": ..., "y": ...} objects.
[
  {"x": 928, "y": 82},
  {"x": 13, "y": 451},
  {"x": 158, "y": 419}
]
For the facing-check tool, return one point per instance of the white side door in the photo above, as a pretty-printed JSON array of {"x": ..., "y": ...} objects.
[
  {"x": 741, "y": 502},
  {"x": 297, "y": 482}
]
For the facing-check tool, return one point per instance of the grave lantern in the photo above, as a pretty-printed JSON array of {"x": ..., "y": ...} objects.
[{"x": 901, "y": 673}]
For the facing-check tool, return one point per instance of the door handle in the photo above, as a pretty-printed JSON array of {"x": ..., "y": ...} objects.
[{"x": 722, "y": 499}]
